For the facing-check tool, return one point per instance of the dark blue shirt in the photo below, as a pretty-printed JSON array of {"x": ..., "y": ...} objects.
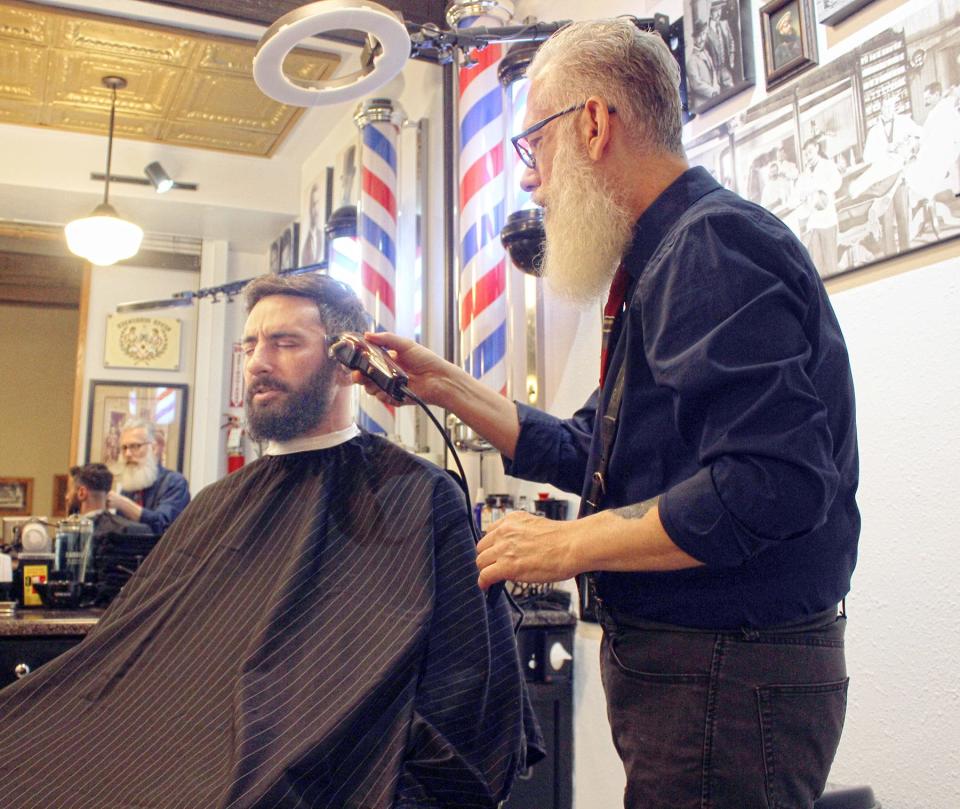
[
  {"x": 164, "y": 500},
  {"x": 738, "y": 410}
]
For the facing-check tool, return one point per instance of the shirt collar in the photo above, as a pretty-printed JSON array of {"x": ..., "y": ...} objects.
[
  {"x": 655, "y": 222},
  {"x": 311, "y": 442}
]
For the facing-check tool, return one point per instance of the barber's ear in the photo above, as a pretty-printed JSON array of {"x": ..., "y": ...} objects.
[{"x": 595, "y": 122}]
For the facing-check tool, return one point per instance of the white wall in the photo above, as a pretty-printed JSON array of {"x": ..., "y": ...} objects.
[{"x": 903, "y": 647}]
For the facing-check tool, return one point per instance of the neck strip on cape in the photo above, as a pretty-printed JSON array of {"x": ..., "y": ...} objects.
[{"x": 310, "y": 442}]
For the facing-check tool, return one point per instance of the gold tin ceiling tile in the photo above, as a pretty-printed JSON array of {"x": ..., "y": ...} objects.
[
  {"x": 228, "y": 101},
  {"x": 25, "y": 24},
  {"x": 20, "y": 112},
  {"x": 75, "y": 79},
  {"x": 93, "y": 122},
  {"x": 220, "y": 138},
  {"x": 118, "y": 39},
  {"x": 22, "y": 71},
  {"x": 226, "y": 57}
]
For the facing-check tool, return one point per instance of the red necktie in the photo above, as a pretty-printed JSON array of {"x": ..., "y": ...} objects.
[{"x": 611, "y": 314}]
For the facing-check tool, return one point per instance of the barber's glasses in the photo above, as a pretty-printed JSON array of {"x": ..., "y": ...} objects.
[
  {"x": 132, "y": 447},
  {"x": 522, "y": 144}
]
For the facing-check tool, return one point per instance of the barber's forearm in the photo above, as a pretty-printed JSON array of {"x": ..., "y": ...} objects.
[
  {"x": 485, "y": 411},
  {"x": 627, "y": 539},
  {"x": 125, "y": 506}
]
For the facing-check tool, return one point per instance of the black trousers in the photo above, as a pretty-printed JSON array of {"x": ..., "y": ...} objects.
[{"x": 747, "y": 719}]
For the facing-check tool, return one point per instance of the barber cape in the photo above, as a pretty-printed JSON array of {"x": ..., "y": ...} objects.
[{"x": 309, "y": 633}]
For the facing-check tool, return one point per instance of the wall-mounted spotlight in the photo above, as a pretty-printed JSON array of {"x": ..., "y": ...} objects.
[
  {"x": 523, "y": 236},
  {"x": 160, "y": 179}
]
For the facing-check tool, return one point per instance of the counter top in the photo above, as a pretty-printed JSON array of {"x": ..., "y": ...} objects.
[{"x": 34, "y": 622}]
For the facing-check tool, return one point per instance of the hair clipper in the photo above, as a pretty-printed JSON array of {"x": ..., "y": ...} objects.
[{"x": 373, "y": 361}]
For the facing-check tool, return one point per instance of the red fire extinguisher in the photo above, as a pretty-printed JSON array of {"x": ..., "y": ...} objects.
[{"x": 235, "y": 457}]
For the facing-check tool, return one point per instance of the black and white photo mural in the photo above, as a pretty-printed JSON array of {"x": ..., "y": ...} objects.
[{"x": 861, "y": 157}]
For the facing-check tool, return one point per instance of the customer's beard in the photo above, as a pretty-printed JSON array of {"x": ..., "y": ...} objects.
[
  {"x": 141, "y": 475},
  {"x": 587, "y": 230},
  {"x": 296, "y": 413}
]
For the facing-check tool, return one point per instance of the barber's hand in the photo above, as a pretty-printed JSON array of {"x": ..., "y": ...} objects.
[
  {"x": 124, "y": 505},
  {"x": 428, "y": 374},
  {"x": 522, "y": 547}
]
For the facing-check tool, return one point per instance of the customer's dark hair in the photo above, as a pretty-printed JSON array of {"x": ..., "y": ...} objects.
[
  {"x": 95, "y": 476},
  {"x": 340, "y": 309}
]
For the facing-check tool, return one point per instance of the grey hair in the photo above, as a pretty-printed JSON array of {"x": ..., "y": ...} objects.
[
  {"x": 632, "y": 70},
  {"x": 133, "y": 423}
]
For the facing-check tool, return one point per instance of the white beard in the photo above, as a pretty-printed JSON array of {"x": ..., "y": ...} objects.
[
  {"x": 134, "y": 477},
  {"x": 587, "y": 230}
]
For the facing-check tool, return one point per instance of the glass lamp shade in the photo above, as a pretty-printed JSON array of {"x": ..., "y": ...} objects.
[{"x": 103, "y": 238}]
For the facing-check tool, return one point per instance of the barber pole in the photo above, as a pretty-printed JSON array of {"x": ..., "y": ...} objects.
[
  {"x": 482, "y": 281},
  {"x": 377, "y": 231}
]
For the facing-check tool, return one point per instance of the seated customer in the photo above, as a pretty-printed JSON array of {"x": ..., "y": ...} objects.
[
  {"x": 87, "y": 489},
  {"x": 309, "y": 633},
  {"x": 150, "y": 493}
]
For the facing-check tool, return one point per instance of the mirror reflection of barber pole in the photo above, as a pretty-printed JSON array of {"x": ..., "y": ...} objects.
[
  {"x": 377, "y": 232},
  {"x": 482, "y": 281}
]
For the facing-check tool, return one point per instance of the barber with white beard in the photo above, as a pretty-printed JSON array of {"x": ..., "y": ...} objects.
[
  {"x": 149, "y": 493},
  {"x": 725, "y": 532}
]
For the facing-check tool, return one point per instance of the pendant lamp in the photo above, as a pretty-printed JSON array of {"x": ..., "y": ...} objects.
[{"x": 103, "y": 238}]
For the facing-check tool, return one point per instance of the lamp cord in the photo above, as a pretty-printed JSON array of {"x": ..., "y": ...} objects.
[{"x": 113, "y": 111}]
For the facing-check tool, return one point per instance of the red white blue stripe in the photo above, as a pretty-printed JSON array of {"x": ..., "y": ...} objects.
[
  {"x": 377, "y": 231},
  {"x": 482, "y": 287}
]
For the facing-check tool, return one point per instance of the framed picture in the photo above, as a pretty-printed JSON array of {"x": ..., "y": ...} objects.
[
  {"x": 285, "y": 249},
  {"x": 830, "y": 12},
  {"x": 314, "y": 214},
  {"x": 59, "y": 505},
  {"x": 718, "y": 51},
  {"x": 16, "y": 496},
  {"x": 112, "y": 403},
  {"x": 789, "y": 39}
]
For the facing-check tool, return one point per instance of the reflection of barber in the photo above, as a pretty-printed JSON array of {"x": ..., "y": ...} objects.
[
  {"x": 890, "y": 143},
  {"x": 815, "y": 191},
  {"x": 721, "y": 45},
  {"x": 151, "y": 494}
]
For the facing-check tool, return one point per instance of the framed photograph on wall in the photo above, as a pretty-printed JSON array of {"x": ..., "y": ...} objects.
[
  {"x": 830, "y": 12},
  {"x": 16, "y": 496},
  {"x": 58, "y": 507},
  {"x": 789, "y": 39},
  {"x": 112, "y": 403},
  {"x": 285, "y": 249},
  {"x": 718, "y": 51},
  {"x": 314, "y": 214}
]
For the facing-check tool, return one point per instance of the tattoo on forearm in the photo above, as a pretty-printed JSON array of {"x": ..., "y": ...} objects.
[{"x": 636, "y": 510}]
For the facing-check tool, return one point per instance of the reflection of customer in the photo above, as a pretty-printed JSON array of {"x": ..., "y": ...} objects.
[
  {"x": 721, "y": 46},
  {"x": 815, "y": 192},
  {"x": 890, "y": 143},
  {"x": 150, "y": 493},
  {"x": 313, "y": 243},
  {"x": 87, "y": 490}
]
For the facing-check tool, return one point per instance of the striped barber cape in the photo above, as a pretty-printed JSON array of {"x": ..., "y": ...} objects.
[{"x": 308, "y": 633}]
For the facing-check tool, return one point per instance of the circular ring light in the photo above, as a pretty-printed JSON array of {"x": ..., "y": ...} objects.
[{"x": 316, "y": 18}]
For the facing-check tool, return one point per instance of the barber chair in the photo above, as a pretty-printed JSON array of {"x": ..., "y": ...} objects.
[{"x": 842, "y": 797}]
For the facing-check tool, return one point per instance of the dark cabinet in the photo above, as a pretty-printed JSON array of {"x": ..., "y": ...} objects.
[
  {"x": 21, "y": 655},
  {"x": 546, "y": 652}
]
